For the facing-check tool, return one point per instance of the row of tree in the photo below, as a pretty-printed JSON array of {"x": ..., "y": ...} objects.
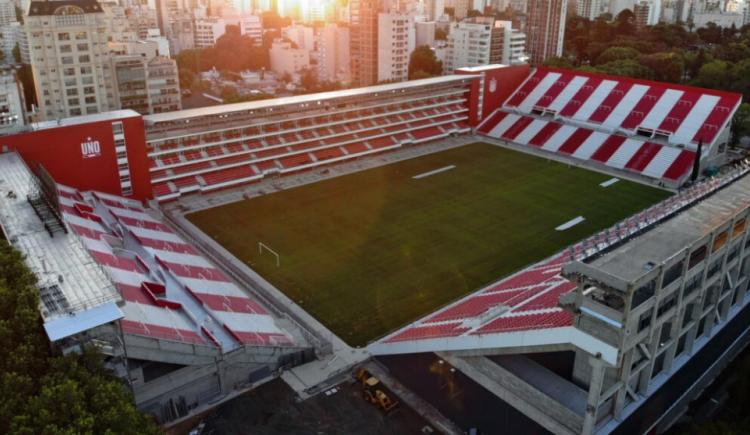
[{"x": 42, "y": 392}]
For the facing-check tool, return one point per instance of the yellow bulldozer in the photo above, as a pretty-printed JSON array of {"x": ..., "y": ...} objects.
[{"x": 373, "y": 391}]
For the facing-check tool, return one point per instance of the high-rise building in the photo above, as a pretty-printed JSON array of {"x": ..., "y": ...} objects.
[
  {"x": 251, "y": 26},
  {"x": 646, "y": 13},
  {"x": 286, "y": 59},
  {"x": 363, "y": 40},
  {"x": 483, "y": 41},
  {"x": 395, "y": 44},
  {"x": 70, "y": 58},
  {"x": 332, "y": 53},
  {"x": 208, "y": 30},
  {"x": 590, "y": 9},
  {"x": 545, "y": 28},
  {"x": 146, "y": 81},
  {"x": 7, "y": 13}
]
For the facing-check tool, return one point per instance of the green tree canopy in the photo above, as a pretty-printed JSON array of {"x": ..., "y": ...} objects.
[{"x": 423, "y": 63}]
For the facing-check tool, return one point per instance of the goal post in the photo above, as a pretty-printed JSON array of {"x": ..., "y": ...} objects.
[{"x": 262, "y": 246}]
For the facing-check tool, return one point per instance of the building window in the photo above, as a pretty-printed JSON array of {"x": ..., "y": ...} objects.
[
  {"x": 90, "y": 100},
  {"x": 80, "y": 35},
  {"x": 84, "y": 58},
  {"x": 86, "y": 70},
  {"x": 82, "y": 47},
  {"x": 75, "y": 112},
  {"x": 63, "y": 36},
  {"x": 67, "y": 60},
  {"x": 69, "y": 71},
  {"x": 73, "y": 102},
  {"x": 65, "y": 49},
  {"x": 71, "y": 92}
]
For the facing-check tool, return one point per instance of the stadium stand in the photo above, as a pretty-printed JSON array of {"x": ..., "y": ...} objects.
[
  {"x": 643, "y": 127},
  {"x": 292, "y": 134},
  {"x": 171, "y": 292}
]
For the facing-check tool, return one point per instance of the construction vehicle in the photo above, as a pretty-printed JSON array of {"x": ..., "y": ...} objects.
[{"x": 373, "y": 390}]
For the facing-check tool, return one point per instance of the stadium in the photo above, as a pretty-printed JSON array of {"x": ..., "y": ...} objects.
[{"x": 549, "y": 234}]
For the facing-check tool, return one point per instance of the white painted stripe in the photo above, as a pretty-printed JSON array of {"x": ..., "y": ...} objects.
[
  {"x": 530, "y": 131},
  {"x": 662, "y": 108},
  {"x": 150, "y": 314},
  {"x": 661, "y": 162},
  {"x": 626, "y": 105},
  {"x": 153, "y": 234},
  {"x": 571, "y": 223},
  {"x": 695, "y": 119},
  {"x": 590, "y": 145},
  {"x": 132, "y": 214},
  {"x": 558, "y": 139},
  {"x": 568, "y": 93},
  {"x": 609, "y": 182},
  {"x": 127, "y": 277},
  {"x": 594, "y": 100},
  {"x": 433, "y": 172},
  {"x": 81, "y": 222},
  {"x": 503, "y": 125},
  {"x": 212, "y": 287},
  {"x": 624, "y": 153},
  {"x": 247, "y": 322},
  {"x": 179, "y": 258},
  {"x": 538, "y": 92}
]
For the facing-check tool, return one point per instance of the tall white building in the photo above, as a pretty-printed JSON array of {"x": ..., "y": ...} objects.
[
  {"x": 69, "y": 58},
  {"x": 251, "y": 26},
  {"x": 590, "y": 9},
  {"x": 332, "y": 53},
  {"x": 7, "y": 13},
  {"x": 396, "y": 41},
  {"x": 484, "y": 41},
  {"x": 286, "y": 59},
  {"x": 424, "y": 33},
  {"x": 208, "y": 30},
  {"x": 302, "y": 36}
]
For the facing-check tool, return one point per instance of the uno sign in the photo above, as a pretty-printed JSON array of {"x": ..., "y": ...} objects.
[{"x": 90, "y": 148}]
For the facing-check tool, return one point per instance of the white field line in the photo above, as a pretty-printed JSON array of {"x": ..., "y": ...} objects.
[
  {"x": 436, "y": 171},
  {"x": 570, "y": 223},
  {"x": 609, "y": 182}
]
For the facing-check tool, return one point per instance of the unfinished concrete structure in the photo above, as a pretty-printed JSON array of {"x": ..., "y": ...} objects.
[{"x": 647, "y": 312}]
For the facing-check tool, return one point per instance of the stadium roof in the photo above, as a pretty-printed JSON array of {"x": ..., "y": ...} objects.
[
  {"x": 299, "y": 99},
  {"x": 76, "y": 294},
  {"x": 685, "y": 114},
  {"x": 86, "y": 119}
]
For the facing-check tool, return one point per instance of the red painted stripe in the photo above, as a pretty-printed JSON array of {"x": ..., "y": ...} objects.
[
  {"x": 680, "y": 166},
  {"x": 526, "y": 89},
  {"x": 679, "y": 112},
  {"x": 575, "y": 140},
  {"x": 608, "y": 148},
  {"x": 716, "y": 119},
  {"x": 643, "y": 156},
  {"x": 517, "y": 128},
  {"x": 554, "y": 90},
  {"x": 134, "y": 294},
  {"x": 110, "y": 260},
  {"x": 580, "y": 97},
  {"x": 494, "y": 119},
  {"x": 642, "y": 108},
  {"x": 163, "y": 245},
  {"x": 160, "y": 332},
  {"x": 544, "y": 134},
  {"x": 613, "y": 99},
  {"x": 86, "y": 232}
]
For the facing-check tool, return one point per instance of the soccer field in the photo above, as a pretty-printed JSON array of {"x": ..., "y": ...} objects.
[{"x": 368, "y": 252}]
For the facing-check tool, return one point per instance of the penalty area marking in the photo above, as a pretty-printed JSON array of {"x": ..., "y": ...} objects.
[
  {"x": 571, "y": 223},
  {"x": 609, "y": 182},
  {"x": 433, "y": 172}
]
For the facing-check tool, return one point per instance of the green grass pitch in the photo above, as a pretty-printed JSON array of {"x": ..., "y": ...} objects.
[{"x": 368, "y": 252}]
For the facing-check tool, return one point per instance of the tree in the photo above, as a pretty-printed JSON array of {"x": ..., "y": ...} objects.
[
  {"x": 741, "y": 128},
  {"x": 714, "y": 74},
  {"x": 42, "y": 392},
  {"x": 309, "y": 80},
  {"x": 473, "y": 13},
  {"x": 627, "y": 68},
  {"x": 617, "y": 53},
  {"x": 558, "y": 62},
  {"x": 423, "y": 63},
  {"x": 440, "y": 34},
  {"x": 667, "y": 67},
  {"x": 625, "y": 23}
]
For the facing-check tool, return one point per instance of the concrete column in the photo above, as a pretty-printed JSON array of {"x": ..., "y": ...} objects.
[{"x": 595, "y": 390}]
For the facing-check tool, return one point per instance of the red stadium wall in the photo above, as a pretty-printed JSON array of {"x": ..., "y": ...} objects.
[
  {"x": 499, "y": 84},
  {"x": 61, "y": 150}
]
